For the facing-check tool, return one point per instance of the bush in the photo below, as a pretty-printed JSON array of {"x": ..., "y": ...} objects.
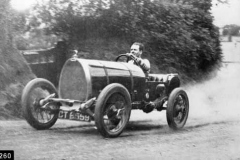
[
  {"x": 179, "y": 36},
  {"x": 14, "y": 72}
]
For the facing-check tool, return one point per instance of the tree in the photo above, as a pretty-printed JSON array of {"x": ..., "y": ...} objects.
[
  {"x": 180, "y": 35},
  {"x": 231, "y": 30},
  {"x": 14, "y": 72}
]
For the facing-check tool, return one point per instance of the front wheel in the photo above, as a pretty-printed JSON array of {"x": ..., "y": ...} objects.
[
  {"x": 38, "y": 117},
  {"x": 112, "y": 110},
  {"x": 177, "y": 108}
]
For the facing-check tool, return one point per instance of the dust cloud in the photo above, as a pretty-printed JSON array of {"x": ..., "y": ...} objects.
[{"x": 216, "y": 100}]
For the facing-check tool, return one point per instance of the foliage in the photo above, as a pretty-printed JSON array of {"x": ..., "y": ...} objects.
[
  {"x": 179, "y": 36},
  {"x": 35, "y": 40},
  {"x": 14, "y": 72},
  {"x": 232, "y": 30}
]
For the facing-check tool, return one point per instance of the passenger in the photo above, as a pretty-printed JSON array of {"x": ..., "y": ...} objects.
[{"x": 136, "y": 53}]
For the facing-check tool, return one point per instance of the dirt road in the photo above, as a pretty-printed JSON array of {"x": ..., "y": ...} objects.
[
  {"x": 212, "y": 130},
  {"x": 149, "y": 138}
]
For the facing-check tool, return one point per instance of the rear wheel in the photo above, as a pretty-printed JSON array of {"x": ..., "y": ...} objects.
[
  {"x": 112, "y": 110},
  {"x": 37, "y": 116},
  {"x": 177, "y": 108}
]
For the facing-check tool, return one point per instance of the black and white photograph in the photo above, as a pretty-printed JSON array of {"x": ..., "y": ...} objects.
[{"x": 119, "y": 79}]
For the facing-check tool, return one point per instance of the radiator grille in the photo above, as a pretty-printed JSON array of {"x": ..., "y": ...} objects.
[{"x": 73, "y": 83}]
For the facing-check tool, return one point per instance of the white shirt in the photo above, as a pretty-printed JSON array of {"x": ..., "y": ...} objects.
[{"x": 144, "y": 64}]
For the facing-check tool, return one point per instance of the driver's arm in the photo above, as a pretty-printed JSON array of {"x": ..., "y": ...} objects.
[{"x": 143, "y": 63}]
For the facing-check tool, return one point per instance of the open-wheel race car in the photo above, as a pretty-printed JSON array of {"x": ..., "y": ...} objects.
[{"x": 104, "y": 92}]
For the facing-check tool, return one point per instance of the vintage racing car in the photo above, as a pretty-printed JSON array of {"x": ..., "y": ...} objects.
[{"x": 104, "y": 92}]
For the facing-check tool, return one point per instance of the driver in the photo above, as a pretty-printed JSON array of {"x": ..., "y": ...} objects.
[{"x": 136, "y": 53}]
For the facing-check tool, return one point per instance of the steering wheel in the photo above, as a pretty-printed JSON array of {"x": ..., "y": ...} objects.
[{"x": 125, "y": 55}]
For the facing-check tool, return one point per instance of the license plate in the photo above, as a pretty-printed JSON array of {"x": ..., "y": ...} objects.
[{"x": 73, "y": 115}]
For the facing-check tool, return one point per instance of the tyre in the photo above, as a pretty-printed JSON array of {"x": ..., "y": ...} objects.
[
  {"x": 38, "y": 117},
  {"x": 112, "y": 110},
  {"x": 177, "y": 108}
]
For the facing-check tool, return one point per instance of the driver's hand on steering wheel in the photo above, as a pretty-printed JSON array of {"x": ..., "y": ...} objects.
[
  {"x": 136, "y": 59},
  {"x": 131, "y": 55}
]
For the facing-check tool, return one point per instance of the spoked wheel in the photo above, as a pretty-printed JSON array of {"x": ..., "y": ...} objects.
[
  {"x": 177, "y": 108},
  {"x": 112, "y": 111},
  {"x": 37, "y": 116}
]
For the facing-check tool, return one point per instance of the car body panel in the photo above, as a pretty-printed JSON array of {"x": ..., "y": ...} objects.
[{"x": 82, "y": 79}]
